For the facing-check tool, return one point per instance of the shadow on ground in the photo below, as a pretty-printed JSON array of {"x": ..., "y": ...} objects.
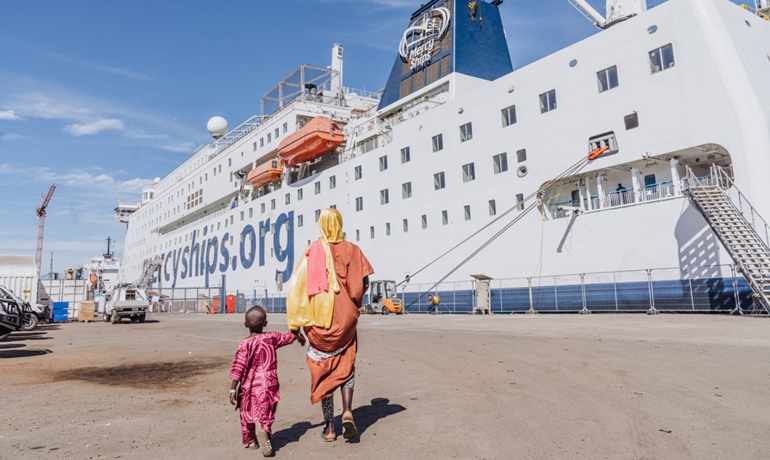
[
  {"x": 365, "y": 417},
  {"x": 12, "y": 350}
]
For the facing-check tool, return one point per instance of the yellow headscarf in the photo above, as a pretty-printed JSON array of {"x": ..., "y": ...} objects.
[{"x": 317, "y": 310}]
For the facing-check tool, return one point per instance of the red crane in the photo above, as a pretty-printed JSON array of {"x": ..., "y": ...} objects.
[{"x": 44, "y": 200}]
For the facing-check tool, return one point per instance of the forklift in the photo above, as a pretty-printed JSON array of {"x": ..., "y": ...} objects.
[{"x": 383, "y": 298}]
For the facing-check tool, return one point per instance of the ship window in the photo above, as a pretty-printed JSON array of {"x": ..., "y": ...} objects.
[
  {"x": 269, "y": 137},
  {"x": 444, "y": 218},
  {"x": 332, "y": 182},
  {"x": 649, "y": 180},
  {"x": 607, "y": 78},
  {"x": 358, "y": 235},
  {"x": 500, "y": 163},
  {"x": 384, "y": 197},
  {"x": 469, "y": 172},
  {"x": 466, "y": 132},
  {"x": 406, "y": 225},
  {"x": 521, "y": 155},
  {"x": 548, "y": 101},
  {"x": 317, "y": 214},
  {"x": 232, "y": 219},
  {"x": 357, "y": 172},
  {"x": 387, "y": 228},
  {"x": 406, "y": 190},
  {"x": 371, "y": 232},
  {"x": 288, "y": 198},
  {"x": 520, "y": 201},
  {"x": 317, "y": 187},
  {"x": 261, "y": 141},
  {"x": 467, "y": 211},
  {"x": 383, "y": 163},
  {"x": 251, "y": 212},
  {"x": 359, "y": 203},
  {"x": 492, "y": 208},
  {"x": 229, "y": 162},
  {"x": 405, "y": 155},
  {"x": 438, "y": 181},
  {"x": 299, "y": 194},
  {"x": 215, "y": 171},
  {"x": 661, "y": 58},
  {"x": 220, "y": 168},
  {"x": 285, "y": 127},
  {"x": 300, "y": 220},
  {"x": 254, "y": 147},
  {"x": 509, "y": 116},
  {"x": 218, "y": 225},
  {"x": 272, "y": 204},
  {"x": 424, "y": 221},
  {"x": 242, "y": 216},
  {"x": 438, "y": 142},
  {"x": 277, "y": 133},
  {"x": 262, "y": 206},
  {"x": 631, "y": 121}
]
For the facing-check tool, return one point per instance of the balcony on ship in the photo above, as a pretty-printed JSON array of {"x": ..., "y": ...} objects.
[{"x": 649, "y": 180}]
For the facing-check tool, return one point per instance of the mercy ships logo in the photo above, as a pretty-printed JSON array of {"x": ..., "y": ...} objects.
[{"x": 423, "y": 37}]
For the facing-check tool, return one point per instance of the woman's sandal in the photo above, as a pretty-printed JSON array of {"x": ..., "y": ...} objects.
[
  {"x": 348, "y": 427},
  {"x": 264, "y": 443},
  {"x": 323, "y": 430}
]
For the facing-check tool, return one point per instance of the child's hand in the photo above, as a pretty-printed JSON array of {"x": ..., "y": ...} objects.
[{"x": 299, "y": 337}]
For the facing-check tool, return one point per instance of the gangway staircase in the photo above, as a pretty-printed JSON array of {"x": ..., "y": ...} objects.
[
  {"x": 738, "y": 226},
  {"x": 145, "y": 281}
]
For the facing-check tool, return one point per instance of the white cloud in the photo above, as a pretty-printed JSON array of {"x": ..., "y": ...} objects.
[
  {"x": 8, "y": 115},
  {"x": 95, "y": 127},
  {"x": 79, "y": 179},
  {"x": 9, "y": 137},
  {"x": 182, "y": 147}
]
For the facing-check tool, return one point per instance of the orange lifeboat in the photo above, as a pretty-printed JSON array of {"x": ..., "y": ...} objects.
[
  {"x": 316, "y": 139},
  {"x": 265, "y": 173}
]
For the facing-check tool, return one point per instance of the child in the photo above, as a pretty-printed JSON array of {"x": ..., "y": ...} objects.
[{"x": 255, "y": 368}]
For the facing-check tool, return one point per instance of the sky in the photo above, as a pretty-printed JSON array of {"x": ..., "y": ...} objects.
[{"x": 101, "y": 97}]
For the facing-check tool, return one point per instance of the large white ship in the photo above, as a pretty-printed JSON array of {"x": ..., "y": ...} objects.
[{"x": 671, "y": 104}]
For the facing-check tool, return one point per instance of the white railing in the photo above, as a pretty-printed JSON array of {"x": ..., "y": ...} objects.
[{"x": 625, "y": 197}]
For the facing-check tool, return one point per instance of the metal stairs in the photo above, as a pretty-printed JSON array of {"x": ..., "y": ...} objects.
[{"x": 738, "y": 226}]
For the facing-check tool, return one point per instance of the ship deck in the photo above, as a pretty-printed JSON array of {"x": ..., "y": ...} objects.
[{"x": 447, "y": 386}]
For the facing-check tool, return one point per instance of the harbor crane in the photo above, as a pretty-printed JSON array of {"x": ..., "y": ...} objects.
[{"x": 44, "y": 200}]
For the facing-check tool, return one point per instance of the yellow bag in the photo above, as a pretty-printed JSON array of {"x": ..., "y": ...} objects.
[{"x": 317, "y": 310}]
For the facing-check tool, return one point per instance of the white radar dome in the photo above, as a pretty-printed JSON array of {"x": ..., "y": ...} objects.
[
  {"x": 157, "y": 179},
  {"x": 217, "y": 127}
]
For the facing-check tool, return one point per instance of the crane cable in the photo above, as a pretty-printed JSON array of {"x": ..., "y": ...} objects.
[{"x": 572, "y": 169}]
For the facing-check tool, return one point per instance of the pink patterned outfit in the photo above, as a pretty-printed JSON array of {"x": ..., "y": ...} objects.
[{"x": 256, "y": 368}]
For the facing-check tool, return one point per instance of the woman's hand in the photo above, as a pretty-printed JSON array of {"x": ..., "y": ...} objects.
[
  {"x": 299, "y": 337},
  {"x": 232, "y": 398}
]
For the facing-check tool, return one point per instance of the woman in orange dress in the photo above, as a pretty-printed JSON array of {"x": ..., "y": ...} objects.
[{"x": 333, "y": 341}]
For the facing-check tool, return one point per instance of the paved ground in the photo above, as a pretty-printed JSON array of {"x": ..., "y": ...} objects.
[{"x": 525, "y": 387}]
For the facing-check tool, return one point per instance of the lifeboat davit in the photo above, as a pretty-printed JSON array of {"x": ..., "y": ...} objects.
[
  {"x": 314, "y": 140},
  {"x": 265, "y": 173}
]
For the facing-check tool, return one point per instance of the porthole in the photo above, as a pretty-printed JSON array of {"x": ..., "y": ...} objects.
[
  {"x": 652, "y": 29},
  {"x": 522, "y": 171},
  {"x": 573, "y": 63}
]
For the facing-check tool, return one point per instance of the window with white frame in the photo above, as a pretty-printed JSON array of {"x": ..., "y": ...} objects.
[
  {"x": 438, "y": 142},
  {"x": 438, "y": 181},
  {"x": 357, "y": 173},
  {"x": 405, "y": 155},
  {"x": 383, "y": 163},
  {"x": 661, "y": 58},
  {"x": 288, "y": 198},
  {"x": 466, "y": 132},
  {"x": 444, "y": 218},
  {"x": 509, "y": 115},
  {"x": 384, "y": 197},
  {"x": 406, "y": 225},
  {"x": 332, "y": 182},
  {"x": 500, "y": 163},
  {"x": 317, "y": 214},
  {"x": 299, "y": 194},
  {"x": 387, "y": 228},
  {"x": 492, "y": 208},
  {"x": 371, "y": 233},
  {"x": 300, "y": 220},
  {"x": 467, "y": 211},
  {"x": 469, "y": 172},
  {"x": 607, "y": 78},
  {"x": 317, "y": 187},
  {"x": 548, "y": 101},
  {"x": 406, "y": 190},
  {"x": 360, "y": 203},
  {"x": 424, "y": 220}
]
